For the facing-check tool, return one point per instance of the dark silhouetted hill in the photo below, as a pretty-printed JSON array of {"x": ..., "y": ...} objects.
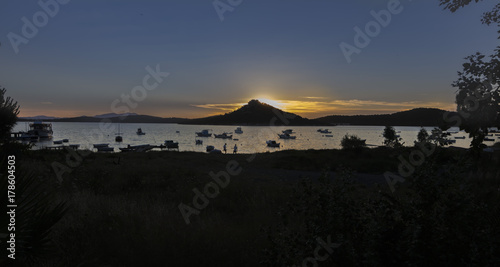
[
  {"x": 414, "y": 117},
  {"x": 254, "y": 113}
]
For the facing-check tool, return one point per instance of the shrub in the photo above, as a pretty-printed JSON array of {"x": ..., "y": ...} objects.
[{"x": 352, "y": 142}]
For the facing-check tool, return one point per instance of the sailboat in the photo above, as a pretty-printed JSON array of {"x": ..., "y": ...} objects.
[{"x": 118, "y": 137}]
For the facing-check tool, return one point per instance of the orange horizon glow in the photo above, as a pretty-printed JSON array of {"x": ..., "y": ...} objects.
[{"x": 310, "y": 107}]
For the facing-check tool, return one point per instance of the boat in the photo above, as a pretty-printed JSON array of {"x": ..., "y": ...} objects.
[
  {"x": 489, "y": 139},
  {"x": 223, "y": 136},
  {"x": 328, "y": 135},
  {"x": 105, "y": 149},
  {"x": 100, "y": 145},
  {"x": 459, "y": 137},
  {"x": 449, "y": 142},
  {"x": 288, "y": 131},
  {"x": 118, "y": 137},
  {"x": 199, "y": 142},
  {"x": 38, "y": 130},
  {"x": 272, "y": 143},
  {"x": 238, "y": 130},
  {"x": 210, "y": 148},
  {"x": 204, "y": 133},
  {"x": 171, "y": 144},
  {"x": 65, "y": 140},
  {"x": 286, "y": 136},
  {"x": 58, "y": 142},
  {"x": 325, "y": 131},
  {"x": 139, "y": 148},
  {"x": 140, "y": 132}
]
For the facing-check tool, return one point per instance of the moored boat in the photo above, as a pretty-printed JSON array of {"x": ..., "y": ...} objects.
[
  {"x": 140, "y": 132},
  {"x": 272, "y": 143},
  {"x": 238, "y": 130},
  {"x": 223, "y": 136},
  {"x": 38, "y": 130},
  {"x": 204, "y": 133},
  {"x": 286, "y": 136}
]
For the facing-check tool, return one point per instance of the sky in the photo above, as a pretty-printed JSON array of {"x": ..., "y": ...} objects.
[{"x": 198, "y": 58}]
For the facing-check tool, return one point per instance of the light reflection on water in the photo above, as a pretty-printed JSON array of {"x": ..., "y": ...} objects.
[{"x": 252, "y": 140}]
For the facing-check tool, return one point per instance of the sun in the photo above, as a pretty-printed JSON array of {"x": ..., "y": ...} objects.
[{"x": 274, "y": 103}]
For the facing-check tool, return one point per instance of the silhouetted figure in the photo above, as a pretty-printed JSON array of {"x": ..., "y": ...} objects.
[
  {"x": 225, "y": 149},
  {"x": 235, "y": 149}
]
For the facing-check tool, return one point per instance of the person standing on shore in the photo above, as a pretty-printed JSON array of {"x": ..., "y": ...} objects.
[
  {"x": 235, "y": 149},
  {"x": 225, "y": 150}
]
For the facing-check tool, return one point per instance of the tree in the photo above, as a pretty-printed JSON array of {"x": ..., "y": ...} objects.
[
  {"x": 9, "y": 109},
  {"x": 422, "y": 135},
  {"x": 352, "y": 142},
  {"x": 478, "y": 95},
  {"x": 391, "y": 139}
]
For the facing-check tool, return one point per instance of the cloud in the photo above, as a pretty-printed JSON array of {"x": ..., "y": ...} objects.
[
  {"x": 320, "y": 106},
  {"x": 221, "y": 107}
]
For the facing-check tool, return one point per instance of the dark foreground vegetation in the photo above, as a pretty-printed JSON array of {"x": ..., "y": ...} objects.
[{"x": 123, "y": 210}]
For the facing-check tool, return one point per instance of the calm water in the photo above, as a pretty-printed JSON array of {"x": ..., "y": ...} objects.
[{"x": 252, "y": 140}]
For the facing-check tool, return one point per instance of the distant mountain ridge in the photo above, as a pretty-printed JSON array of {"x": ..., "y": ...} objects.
[
  {"x": 258, "y": 113},
  {"x": 414, "y": 117}
]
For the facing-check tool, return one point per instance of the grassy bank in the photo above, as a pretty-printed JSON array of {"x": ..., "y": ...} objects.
[{"x": 123, "y": 209}]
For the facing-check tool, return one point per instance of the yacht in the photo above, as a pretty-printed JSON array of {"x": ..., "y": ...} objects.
[{"x": 38, "y": 130}]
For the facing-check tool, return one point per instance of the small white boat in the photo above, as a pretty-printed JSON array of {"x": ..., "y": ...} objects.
[
  {"x": 238, "y": 130},
  {"x": 272, "y": 143},
  {"x": 140, "y": 132},
  {"x": 204, "y": 133}
]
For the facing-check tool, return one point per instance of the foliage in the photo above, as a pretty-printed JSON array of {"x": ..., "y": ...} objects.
[
  {"x": 36, "y": 214},
  {"x": 422, "y": 135},
  {"x": 391, "y": 139},
  {"x": 438, "y": 217},
  {"x": 9, "y": 109},
  {"x": 478, "y": 97},
  {"x": 352, "y": 142}
]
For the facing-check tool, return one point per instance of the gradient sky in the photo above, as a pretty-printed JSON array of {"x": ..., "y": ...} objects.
[{"x": 286, "y": 51}]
